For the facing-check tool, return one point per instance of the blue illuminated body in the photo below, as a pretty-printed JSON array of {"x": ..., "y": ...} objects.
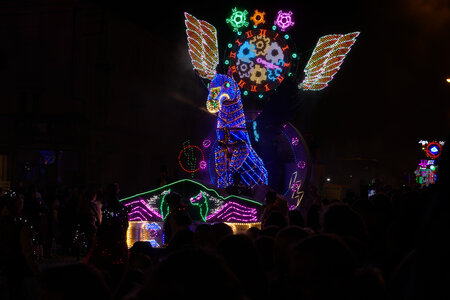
[{"x": 233, "y": 153}]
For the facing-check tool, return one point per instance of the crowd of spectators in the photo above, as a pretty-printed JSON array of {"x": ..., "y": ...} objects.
[{"x": 388, "y": 246}]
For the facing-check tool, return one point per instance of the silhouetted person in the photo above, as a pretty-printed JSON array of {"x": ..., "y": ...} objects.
[
  {"x": 279, "y": 277},
  {"x": 369, "y": 284},
  {"x": 175, "y": 204},
  {"x": 274, "y": 203},
  {"x": 322, "y": 267},
  {"x": 73, "y": 282},
  {"x": 296, "y": 218},
  {"x": 221, "y": 230},
  {"x": 275, "y": 218},
  {"x": 141, "y": 262},
  {"x": 192, "y": 273},
  {"x": 204, "y": 236},
  {"x": 17, "y": 260},
  {"x": 339, "y": 218},
  {"x": 181, "y": 233},
  {"x": 241, "y": 255},
  {"x": 265, "y": 246},
  {"x": 163, "y": 178},
  {"x": 110, "y": 250},
  {"x": 313, "y": 217},
  {"x": 253, "y": 232}
]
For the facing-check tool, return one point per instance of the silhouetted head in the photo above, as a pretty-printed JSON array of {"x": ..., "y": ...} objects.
[
  {"x": 341, "y": 219},
  {"x": 321, "y": 266},
  {"x": 191, "y": 273},
  {"x": 9, "y": 204},
  {"x": 74, "y": 281}
]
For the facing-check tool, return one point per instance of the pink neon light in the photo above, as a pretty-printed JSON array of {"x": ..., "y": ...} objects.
[
  {"x": 196, "y": 198},
  {"x": 284, "y": 20},
  {"x": 142, "y": 211},
  {"x": 136, "y": 216},
  {"x": 301, "y": 164},
  {"x": 142, "y": 206},
  {"x": 206, "y": 143},
  {"x": 234, "y": 211}
]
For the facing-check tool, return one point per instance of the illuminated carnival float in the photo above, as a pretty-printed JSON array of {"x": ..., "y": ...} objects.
[
  {"x": 426, "y": 171},
  {"x": 247, "y": 148}
]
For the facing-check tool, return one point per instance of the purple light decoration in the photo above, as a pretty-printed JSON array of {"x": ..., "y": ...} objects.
[
  {"x": 294, "y": 141},
  {"x": 206, "y": 143},
  {"x": 301, "y": 164},
  {"x": 423, "y": 163},
  {"x": 203, "y": 165},
  {"x": 284, "y": 20},
  {"x": 140, "y": 209},
  {"x": 233, "y": 211},
  {"x": 136, "y": 216},
  {"x": 196, "y": 198}
]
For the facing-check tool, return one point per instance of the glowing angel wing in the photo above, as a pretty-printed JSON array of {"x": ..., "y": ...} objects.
[
  {"x": 326, "y": 60},
  {"x": 202, "y": 42}
]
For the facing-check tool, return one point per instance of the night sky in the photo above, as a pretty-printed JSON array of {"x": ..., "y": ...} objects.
[{"x": 391, "y": 90}]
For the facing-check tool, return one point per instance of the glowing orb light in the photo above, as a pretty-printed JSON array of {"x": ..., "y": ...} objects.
[
  {"x": 206, "y": 143},
  {"x": 301, "y": 164}
]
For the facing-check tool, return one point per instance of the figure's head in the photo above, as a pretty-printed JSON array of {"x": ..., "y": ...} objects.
[{"x": 222, "y": 90}]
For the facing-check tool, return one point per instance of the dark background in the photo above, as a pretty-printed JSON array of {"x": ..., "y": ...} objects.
[{"x": 108, "y": 86}]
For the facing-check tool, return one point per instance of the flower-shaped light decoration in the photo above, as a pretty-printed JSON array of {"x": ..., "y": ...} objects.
[{"x": 284, "y": 20}]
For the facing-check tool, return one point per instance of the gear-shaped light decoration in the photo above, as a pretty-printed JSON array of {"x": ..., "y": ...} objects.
[
  {"x": 284, "y": 20},
  {"x": 246, "y": 52},
  {"x": 244, "y": 69},
  {"x": 262, "y": 44},
  {"x": 267, "y": 49},
  {"x": 258, "y": 17},
  {"x": 238, "y": 19},
  {"x": 259, "y": 74}
]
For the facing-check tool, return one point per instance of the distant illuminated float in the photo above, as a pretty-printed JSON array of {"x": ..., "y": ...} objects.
[{"x": 426, "y": 171}]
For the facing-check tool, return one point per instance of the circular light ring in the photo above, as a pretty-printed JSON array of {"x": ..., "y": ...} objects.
[
  {"x": 181, "y": 152},
  {"x": 433, "y": 149},
  {"x": 206, "y": 143},
  {"x": 260, "y": 59}
]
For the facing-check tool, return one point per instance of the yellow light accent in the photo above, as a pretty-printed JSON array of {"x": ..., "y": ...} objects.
[
  {"x": 258, "y": 75},
  {"x": 213, "y": 106},
  {"x": 137, "y": 230},
  {"x": 242, "y": 227}
]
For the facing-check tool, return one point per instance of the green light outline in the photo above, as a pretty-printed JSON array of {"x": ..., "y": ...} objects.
[
  {"x": 163, "y": 199},
  {"x": 189, "y": 180},
  {"x": 200, "y": 206}
]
